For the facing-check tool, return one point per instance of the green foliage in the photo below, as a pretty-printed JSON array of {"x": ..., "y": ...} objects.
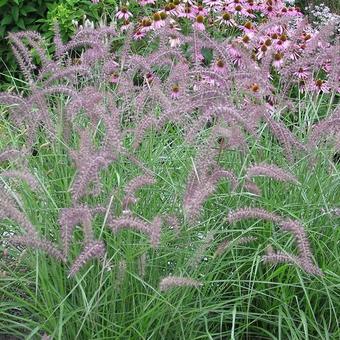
[
  {"x": 68, "y": 10},
  {"x": 17, "y": 15},
  {"x": 39, "y": 15}
]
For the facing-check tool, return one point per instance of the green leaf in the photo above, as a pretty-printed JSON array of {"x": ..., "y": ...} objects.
[
  {"x": 15, "y": 14},
  {"x": 21, "y": 23},
  {"x": 51, "y": 6},
  {"x": 3, "y": 2},
  {"x": 2, "y": 31},
  {"x": 29, "y": 9},
  {"x": 6, "y": 20}
]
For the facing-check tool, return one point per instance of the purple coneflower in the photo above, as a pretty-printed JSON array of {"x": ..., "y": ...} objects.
[
  {"x": 146, "y": 25},
  {"x": 235, "y": 56},
  {"x": 318, "y": 85},
  {"x": 186, "y": 12},
  {"x": 199, "y": 25},
  {"x": 248, "y": 28},
  {"x": 282, "y": 43},
  {"x": 171, "y": 9},
  {"x": 175, "y": 91},
  {"x": 174, "y": 41},
  {"x": 200, "y": 10},
  {"x": 158, "y": 19},
  {"x": 278, "y": 60},
  {"x": 123, "y": 13},
  {"x": 226, "y": 19},
  {"x": 125, "y": 26},
  {"x": 138, "y": 35},
  {"x": 261, "y": 51},
  {"x": 219, "y": 66},
  {"x": 301, "y": 73}
]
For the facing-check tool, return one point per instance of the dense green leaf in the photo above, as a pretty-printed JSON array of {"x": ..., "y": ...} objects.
[
  {"x": 6, "y": 20},
  {"x": 21, "y": 23},
  {"x": 3, "y": 3},
  {"x": 2, "y": 31},
  {"x": 15, "y": 14}
]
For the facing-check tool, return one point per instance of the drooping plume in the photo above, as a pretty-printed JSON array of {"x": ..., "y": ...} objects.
[
  {"x": 94, "y": 249},
  {"x": 270, "y": 170},
  {"x": 177, "y": 281}
]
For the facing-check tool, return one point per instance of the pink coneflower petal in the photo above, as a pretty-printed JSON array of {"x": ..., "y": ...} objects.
[
  {"x": 138, "y": 35},
  {"x": 212, "y": 3},
  {"x": 301, "y": 73},
  {"x": 123, "y": 13},
  {"x": 200, "y": 10}
]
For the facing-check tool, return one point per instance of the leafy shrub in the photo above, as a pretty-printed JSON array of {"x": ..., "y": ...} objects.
[
  {"x": 17, "y": 15},
  {"x": 40, "y": 16}
]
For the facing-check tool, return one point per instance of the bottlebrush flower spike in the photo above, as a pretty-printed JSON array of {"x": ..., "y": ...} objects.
[
  {"x": 36, "y": 243},
  {"x": 256, "y": 213},
  {"x": 327, "y": 126},
  {"x": 177, "y": 281},
  {"x": 89, "y": 100},
  {"x": 280, "y": 257},
  {"x": 70, "y": 217},
  {"x": 153, "y": 229},
  {"x": 300, "y": 235},
  {"x": 93, "y": 249},
  {"x": 198, "y": 190},
  {"x": 142, "y": 265},
  {"x": 89, "y": 162},
  {"x": 305, "y": 255},
  {"x": 9, "y": 210},
  {"x": 284, "y": 136},
  {"x": 232, "y": 138},
  {"x": 9, "y": 154},
  {"x": 131, "y": 188},
  {"x": 270, "y": 170},
  {"x": 121, "y": 273},
  {"x": 23, "y": 175},
  {"x": 173, "y": 222},
  {"x": 252, "y": 188}
]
